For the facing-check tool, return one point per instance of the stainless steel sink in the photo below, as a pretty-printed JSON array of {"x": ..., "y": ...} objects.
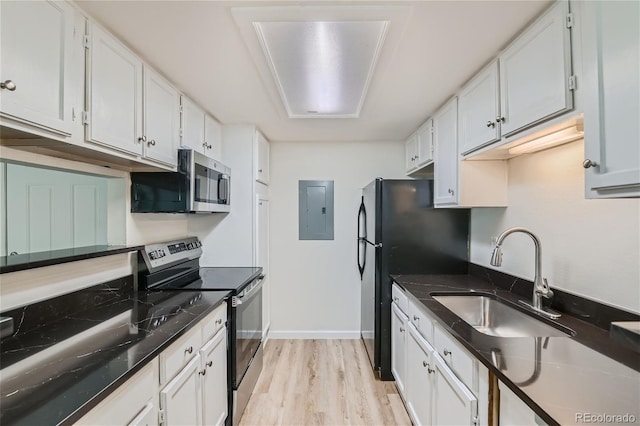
[{"x": 495, "y": 318}]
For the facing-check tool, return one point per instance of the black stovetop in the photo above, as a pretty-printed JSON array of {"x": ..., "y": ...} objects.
[{"x": 231, "y": 279}]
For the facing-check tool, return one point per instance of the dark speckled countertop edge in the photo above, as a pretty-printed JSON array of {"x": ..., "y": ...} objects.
[{"x": 458, "y": 328}]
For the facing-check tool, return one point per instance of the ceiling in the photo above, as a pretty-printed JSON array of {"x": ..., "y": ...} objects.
[{"x": 200, "y": 47}]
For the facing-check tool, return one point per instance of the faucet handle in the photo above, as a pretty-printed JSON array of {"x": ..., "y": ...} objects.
[{"x": 547, "y": 292}]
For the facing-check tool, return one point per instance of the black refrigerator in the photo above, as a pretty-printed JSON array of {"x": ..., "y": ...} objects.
[{"x": 400, "y": 232}]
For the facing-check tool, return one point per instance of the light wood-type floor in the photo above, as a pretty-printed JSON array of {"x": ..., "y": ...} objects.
[{"x": 321, "y": 382}]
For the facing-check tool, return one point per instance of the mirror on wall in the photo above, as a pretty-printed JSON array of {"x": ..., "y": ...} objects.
[{"x": 45, "y": 209}]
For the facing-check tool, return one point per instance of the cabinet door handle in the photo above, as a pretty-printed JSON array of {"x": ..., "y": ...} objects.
[
  {"x": 142, "y": 138},
  {"x": 401, "y": 330},
  {"x": 259, "y": 170},
  {"x": 152, "y": 142},
  {"x": 395, "y": 299},
  {"x": 209, "y": 364},
  {"x": 450, "y": 191},
  {"x": 209, "y": 146},
  {"x": 425, "y": 364},
  {"x": 588, "y": 163},
  {"x": 500, "y": 119},
  {"x": 446, "y": 352},
  {"x": 189, "y": 350},
  {"x": 491, "y": 124},
  {"x": 219, "y": 321},
  {"x": 416, "y": 318},
  {"x": 8, "y": 84},
  {"x": 203, "y": 372}
]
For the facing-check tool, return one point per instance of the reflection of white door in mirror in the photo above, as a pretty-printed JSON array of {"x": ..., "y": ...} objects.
[{"x": 51, "y": 209}]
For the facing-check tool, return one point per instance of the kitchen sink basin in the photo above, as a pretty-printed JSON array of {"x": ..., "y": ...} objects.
[{"x": 491, "y": 316}]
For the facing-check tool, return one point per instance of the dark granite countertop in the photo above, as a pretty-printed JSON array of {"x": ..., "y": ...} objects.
[
  {"x": 586, "y": 373},
  {"x": 70, "y": 352},
  {"x": 21, "y": 262}
]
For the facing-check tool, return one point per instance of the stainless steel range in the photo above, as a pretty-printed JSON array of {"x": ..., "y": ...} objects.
[{"x": 175, "y": 266}]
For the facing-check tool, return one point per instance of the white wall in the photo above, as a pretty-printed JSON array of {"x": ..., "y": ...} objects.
[
  {"x": 589, "y": 247},
  {"x": 315, "y": 284}
]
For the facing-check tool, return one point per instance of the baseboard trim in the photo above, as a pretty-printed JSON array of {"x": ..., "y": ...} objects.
[{"x": 315, "y": 334}]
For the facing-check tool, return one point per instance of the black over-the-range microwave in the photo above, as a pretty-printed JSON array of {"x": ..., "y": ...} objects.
[{"x": 200, "y": 185}]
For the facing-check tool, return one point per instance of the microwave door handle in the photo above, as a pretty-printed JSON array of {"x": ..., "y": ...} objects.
[{"x": 223, "y": 188}]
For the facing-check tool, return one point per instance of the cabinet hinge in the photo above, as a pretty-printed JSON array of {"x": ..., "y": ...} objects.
[
  {"x": 180, "y": 132},
  {"x": 73, "y": 114},
  {"x": 569, "y": 20},
  {"x": 181, "y": 108},
  {"x": 572, "y": 83},
  {"x": 87, "y": 41},
  {"x": 85, "y": 117},
  {"x": 161, "y": 418}
]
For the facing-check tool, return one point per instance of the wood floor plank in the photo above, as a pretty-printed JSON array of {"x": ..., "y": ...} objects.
[{"x": 321, "y": 382}]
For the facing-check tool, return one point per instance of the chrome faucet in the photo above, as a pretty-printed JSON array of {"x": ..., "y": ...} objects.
[{"x": 540, "y": 286}]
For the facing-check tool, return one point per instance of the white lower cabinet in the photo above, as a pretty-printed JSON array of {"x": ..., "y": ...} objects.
[
  {"x": 399, "y": 323},
  {"x": 453, "y": 403},
  {"x": 197, "y": 395},
  {"x": 180, "y": 400},
  {"x": 133, "y": 403},
  {"x": 435, "y": 391},
  {"x": 513, "y": 411},
  {"x": 420, "y": 382},
  {"x": 214, "y": 380}
]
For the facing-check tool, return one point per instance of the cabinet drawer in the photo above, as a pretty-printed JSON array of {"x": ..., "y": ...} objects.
[
  {"x": 133, "y": 399},
  {"x": 400, "y": 298},
  {"x": 214, "y": 322},
  {"x": 456, "y": 357},
  {"x": 421, "y": 320},
  {"x": 179, "y": 354}
]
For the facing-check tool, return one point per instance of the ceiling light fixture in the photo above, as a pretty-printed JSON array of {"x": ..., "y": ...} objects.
[{"x": 322, "y": 68}]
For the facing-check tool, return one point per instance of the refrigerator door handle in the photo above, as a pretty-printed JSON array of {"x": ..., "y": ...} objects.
[{"x": 362, "y": 214}]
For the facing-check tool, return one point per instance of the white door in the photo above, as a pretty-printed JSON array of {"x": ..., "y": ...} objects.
[
  {"x": 425, "y": 144},
  {"x": 478, "y": 110},
  {"x": 161, "y": 118},
  {"x": 192, "y": 125},
  {"x": 35, "y": 55},
  {"x": 262, "y": 258},
  {"x": 53, "y": 209},
  {"x": 411, "y": 153},
  {"x": 611, "y": 46},
  {"x": 445, "y": 137},
  {"x": 399, "y": 347},
  {"x": 535, "y": 71},
  {"x": 420, "y": 375},
  {"x": 213, "y": 137},
  {"x": 180, "y": 399},
  {"x": 214, "y": 379},
  {"x": 453, "y": 404},
  {"x": 115, "y": 93}
]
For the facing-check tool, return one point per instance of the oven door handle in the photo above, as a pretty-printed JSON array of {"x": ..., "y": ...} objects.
[{"x": 249, "y": 293}]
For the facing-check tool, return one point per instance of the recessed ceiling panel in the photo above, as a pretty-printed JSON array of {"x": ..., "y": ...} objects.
[{"x": 322, "y": 68}]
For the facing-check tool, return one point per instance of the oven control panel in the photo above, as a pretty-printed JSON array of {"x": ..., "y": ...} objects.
[{"x": 158, "y": 255}]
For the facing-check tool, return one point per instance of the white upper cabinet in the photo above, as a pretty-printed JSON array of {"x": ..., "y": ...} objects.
[
  {"x": 478, "y": 105},
  {"x": 611, "y": 65},
  {"x": 262, "y": 160},
  {"x": 445, "y": 138},
  {"x": 419, "y": 148},
  {"x": 161, "y": 118},
  {"x": 114, "y": 89},
  {"x": 411, "y": 153},
  {"x": 200, "y": 131},
  {"x": 35, "y": 63},
  {"x": 192, "y": 125},
  {"x": 535, "y": 71},
  {"x": 425, "y": 144},
  {"x": 212, "y": 137}
]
